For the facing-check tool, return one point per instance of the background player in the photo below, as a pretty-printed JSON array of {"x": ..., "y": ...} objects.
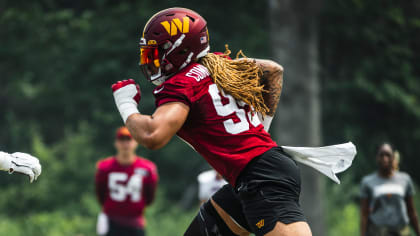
[
  {"x": 125, "y": 185},
  {"x": 20, "y": 163},
  {"x": 208, "y": 183},
  {"x": 387, "y": 206},
  {"x": 213, "y": 105}
]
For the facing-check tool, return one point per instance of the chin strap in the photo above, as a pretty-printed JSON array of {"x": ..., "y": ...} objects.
[
  {"x": 177, "y": 43},
  {"x": 204, "y": 52},
  {"x": 186, "y": 61}
]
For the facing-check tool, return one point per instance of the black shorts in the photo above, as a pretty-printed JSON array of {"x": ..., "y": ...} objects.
[
  {"x": 269, "y": 189},
  {"x": 229, "y": 201},
  {"x": 116, "y": 229}
]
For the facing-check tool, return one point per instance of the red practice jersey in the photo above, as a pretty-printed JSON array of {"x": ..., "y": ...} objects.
[
  {"x": 224, "y": 131},
  {"x": 124, "y": 191}
]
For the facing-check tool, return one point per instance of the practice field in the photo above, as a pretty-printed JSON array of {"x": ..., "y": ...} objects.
[{"x": 351, "y": 73}]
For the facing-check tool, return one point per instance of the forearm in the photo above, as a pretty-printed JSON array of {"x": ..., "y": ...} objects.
[
  {"x": 414, "y": 221},
  {"x": 148, "y": 130},
  {"x": 272, "y": 79},
  {"x": 156, "y": 131},
  {"x": 412, "y": 214},
  {"x": 364, "y": 216},
  {"x": 143, "y": 128},
  {"x": 363, "y": 225}
]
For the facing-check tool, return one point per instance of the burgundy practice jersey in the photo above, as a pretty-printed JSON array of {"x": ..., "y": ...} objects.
[
  {"x": 124, "y": 191},
  {"x": 224, "y": 131}
]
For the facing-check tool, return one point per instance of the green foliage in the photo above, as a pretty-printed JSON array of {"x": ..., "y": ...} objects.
[
  {"x": 58, "y": 61},
  {"x": 370, "y": 79},
  {"x": 162, "y": 219},
  {"x": 345, "y": 221},
  {"x": 370, "y": 54},
  {"x": 166, "y": 219},
  {"x": 59, "y": 58}
]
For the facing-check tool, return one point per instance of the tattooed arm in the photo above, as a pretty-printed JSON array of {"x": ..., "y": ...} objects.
[{"x": 272, "y": 79}]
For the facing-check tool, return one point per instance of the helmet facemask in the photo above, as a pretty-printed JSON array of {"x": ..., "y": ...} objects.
[{"x": 152, "y": 60}]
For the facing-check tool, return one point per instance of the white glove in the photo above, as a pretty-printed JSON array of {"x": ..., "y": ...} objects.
[
  {"x": 21, "y": 163},
  {"x": 127, "y": 97},
  {"x": 102, "y": 225}
]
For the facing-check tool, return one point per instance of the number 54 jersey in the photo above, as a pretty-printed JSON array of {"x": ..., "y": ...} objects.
[
  {"x": 125, "y": 190},
  {"x": 224, "y": 131}
]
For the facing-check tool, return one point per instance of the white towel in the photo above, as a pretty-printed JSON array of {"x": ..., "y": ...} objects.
[{"x": 328, "y": 160}]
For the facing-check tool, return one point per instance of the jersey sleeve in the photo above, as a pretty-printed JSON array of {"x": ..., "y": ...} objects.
[
  {"x": 410, "y": 187},
  {"x": 100, "y": 185},
  {"x": 176, "y": 89},
  {"x": 364, "y": 189},
  {"x": 150, "y": 185}
]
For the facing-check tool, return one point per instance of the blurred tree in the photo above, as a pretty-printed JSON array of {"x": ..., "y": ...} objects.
[
  {"x": 294, "y": 40},
  {"x": 58, "y": 59},
  {"x": 370, "y": 52}
]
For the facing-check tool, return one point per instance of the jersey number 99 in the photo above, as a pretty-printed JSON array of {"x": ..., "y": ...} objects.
[{"x": 245, "y": 118}]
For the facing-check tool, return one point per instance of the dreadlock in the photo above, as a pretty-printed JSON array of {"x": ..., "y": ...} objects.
[{"x": 240, "y": 78}]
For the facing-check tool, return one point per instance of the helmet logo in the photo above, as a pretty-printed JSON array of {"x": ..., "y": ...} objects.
[{"x": 175, "y": 25}]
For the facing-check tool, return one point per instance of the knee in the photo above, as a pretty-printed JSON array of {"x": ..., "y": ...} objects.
[{"x": 294, "y": 229}]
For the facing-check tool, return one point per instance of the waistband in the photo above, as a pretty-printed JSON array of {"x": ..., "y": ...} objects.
[{"x": 252, "y": 163}]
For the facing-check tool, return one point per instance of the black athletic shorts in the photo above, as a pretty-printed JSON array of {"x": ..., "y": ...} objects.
[
  {"x": 269, "y": 189},
  {"x": 116, "y": 229},
  {"x": 229, "y": 201}
]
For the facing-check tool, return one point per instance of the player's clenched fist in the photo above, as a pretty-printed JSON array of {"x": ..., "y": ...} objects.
[
  {"x": 127, "y": 96},
  {"x": 21, "y": 163}
]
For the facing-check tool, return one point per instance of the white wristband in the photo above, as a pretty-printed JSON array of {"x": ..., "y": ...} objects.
[
  {"x": 5, "y": 161},
  {"x": 124, "y": 99},
  {"x": 127, "y": 109}
]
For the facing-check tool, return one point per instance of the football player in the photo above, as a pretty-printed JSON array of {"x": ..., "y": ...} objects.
[
  {"x": 216, "y": 105},
  {"x": 209, "y": 182},
  {"x": 20, "y": 163},
  {"x": 125, "y": 185},
  {"x": 222, "y": 214}
]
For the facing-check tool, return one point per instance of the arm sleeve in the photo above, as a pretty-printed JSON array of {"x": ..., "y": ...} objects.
[
  {"x": 100, "y": 186},
  {"x": 150, "y": 185},
  {"x": 364, "y": 190},
  {"x": 410, "y": 187}
]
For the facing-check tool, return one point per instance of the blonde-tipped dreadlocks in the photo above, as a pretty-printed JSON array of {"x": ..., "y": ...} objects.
[{"x": 239, "y": 78}]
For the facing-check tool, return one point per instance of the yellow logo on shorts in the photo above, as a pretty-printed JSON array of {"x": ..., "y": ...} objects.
[{"x": 260, "y": 224}]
